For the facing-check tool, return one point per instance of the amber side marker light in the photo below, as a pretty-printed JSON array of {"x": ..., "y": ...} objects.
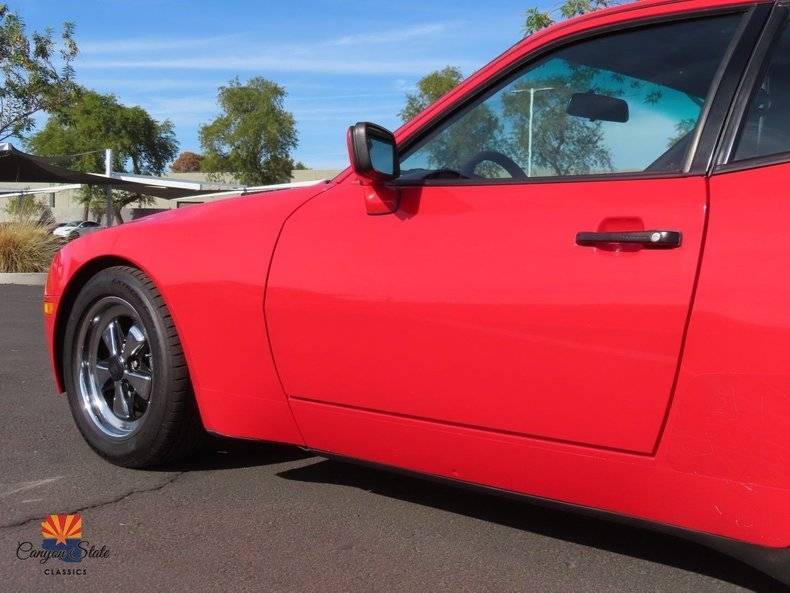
[{"x": 49, "y": 308}]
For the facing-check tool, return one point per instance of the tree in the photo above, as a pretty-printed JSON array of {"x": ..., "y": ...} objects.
[
  {"x": 476, "y": 131},
  {"x": 430, "y": 88},
  {"x": 81, "y": 132},
  {"x": 187, "y": 162},
  {"x": 537, "y": 19},
  {"x": 561, "y": 144},
  {"x": 36, "y": 75},
  {"x": 682, "y": 129},
  {"x": 253, "y": 136}
]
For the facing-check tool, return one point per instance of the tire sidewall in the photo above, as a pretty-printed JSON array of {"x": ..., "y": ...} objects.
[{"x": 132, "y": 448}]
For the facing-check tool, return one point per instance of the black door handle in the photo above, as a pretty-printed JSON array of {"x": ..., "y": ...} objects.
[{"x": 648, "y": 239}]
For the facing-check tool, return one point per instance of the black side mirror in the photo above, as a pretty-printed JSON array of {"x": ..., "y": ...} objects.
[
  {"x": 373, "y": 152},
  {"x": 598, "y": 107}
]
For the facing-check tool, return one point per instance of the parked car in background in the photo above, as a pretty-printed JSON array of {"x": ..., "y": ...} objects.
[
  {"x": 564, "y": 280},
  {"x": 76, "y": 228}
]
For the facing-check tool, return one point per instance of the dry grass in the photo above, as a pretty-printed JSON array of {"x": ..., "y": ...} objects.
[{"x": 26, "y": 247}]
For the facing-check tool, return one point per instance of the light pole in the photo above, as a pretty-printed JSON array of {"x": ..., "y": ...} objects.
[
  {"x": 531, "y": 90},
  {"x": 107, "y": 188}
]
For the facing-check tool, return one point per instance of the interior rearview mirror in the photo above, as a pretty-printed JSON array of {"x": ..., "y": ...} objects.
[
  {"x": 598, "y": 107},
  {"x": 373, "y": 152}
]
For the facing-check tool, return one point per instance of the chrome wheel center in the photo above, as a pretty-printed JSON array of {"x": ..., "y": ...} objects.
[{"x": 114, "y": 367}]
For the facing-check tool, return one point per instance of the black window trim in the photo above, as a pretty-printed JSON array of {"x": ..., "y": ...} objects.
[
  {"x": 709, "y": 127},
  {"x": 759, "y": 61}
]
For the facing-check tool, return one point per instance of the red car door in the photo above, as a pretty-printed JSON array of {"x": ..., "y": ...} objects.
[
  {"x": 478, "y": 303},
  {"x": 737, "y": 358}
]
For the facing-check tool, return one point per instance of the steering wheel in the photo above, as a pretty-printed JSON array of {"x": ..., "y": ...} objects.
[{"x": 504, "y": 161}]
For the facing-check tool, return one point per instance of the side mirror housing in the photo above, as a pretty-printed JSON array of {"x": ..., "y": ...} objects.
[
  {"x": 374, "y": 158},
  {"x": 373, "y": 152}
]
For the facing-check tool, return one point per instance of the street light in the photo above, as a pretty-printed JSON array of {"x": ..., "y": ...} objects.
[
  {"x": 531, "y": 91},
  {"x": 107, "y": 188}
]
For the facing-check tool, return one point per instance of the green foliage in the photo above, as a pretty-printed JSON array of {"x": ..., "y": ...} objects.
[
  {"x": 430, "y": 88},
  {"x": 24, "y": 208},
  {"x": 37, "y": 76},
  {"x": 95, "y": 122},
  {"x": 253, "y": 136},
  {"x": 26, "y": 247},
  {"x": 536, "y": 19}
]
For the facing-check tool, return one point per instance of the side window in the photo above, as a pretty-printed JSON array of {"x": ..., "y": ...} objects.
[
  {"x": 766, "y": 127},
  {"x": 622, "y": 102}
]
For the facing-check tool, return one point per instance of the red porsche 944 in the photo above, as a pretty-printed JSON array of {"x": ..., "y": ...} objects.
[{"x": 567, "y": 279}]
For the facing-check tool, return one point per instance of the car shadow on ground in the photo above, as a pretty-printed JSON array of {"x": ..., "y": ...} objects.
[
  {"x": 566, "y": 525},
  {"x": 221, "y": 453}
]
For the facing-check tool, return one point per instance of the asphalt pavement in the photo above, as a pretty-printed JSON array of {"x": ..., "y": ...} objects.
[{"x": 256, "y": 517}]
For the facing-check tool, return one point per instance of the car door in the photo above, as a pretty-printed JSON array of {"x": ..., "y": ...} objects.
[
  {"x": 479, "y": 303},
  {"x": 744, "y": 290}
]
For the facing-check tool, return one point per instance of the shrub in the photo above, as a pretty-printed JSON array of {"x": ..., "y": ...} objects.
[
  {"x": 24, "y": 208},
  {"x": 26, "y": 247}
]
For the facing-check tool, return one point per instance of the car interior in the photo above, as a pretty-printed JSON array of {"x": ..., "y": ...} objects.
[{"x": 768, "y": 117}]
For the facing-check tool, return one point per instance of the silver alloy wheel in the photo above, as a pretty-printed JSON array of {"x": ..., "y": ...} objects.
[{"x": 114, "y": 367}]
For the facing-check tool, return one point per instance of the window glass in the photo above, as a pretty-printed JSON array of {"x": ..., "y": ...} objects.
[
  {"x": 766, "y": 127},
  {"x": 624, "y": 102}
]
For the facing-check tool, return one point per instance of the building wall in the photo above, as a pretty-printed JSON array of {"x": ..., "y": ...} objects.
[{"x": 65, "y": 207}]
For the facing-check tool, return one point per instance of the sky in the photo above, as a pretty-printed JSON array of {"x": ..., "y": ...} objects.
[{"x": 340, "y": 61}]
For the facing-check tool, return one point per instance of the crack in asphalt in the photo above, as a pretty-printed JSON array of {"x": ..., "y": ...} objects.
[{"x": 105, "y": 503}]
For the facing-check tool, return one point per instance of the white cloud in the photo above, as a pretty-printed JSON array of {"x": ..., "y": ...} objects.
[
  {"x": 324, "y": 98},
  {"x": 345, "y": 113},
  {"x": 284, "y": 63},
  {"x": 159, "y": 44},
  {"x": 342, "y": 55},
  {"x": 394, "y": 35},
  {"x": 139, "y": 45},
  {"x": 188, "y": 111},
  {"x": 147, "y": 85}
]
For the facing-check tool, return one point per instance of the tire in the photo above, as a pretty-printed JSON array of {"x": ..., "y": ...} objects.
[
  {"x": 125, "y": 373},
  {"x": 73, "y": 235}
]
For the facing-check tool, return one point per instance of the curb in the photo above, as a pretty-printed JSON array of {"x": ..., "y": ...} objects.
[{"x": 28, "y": 279}]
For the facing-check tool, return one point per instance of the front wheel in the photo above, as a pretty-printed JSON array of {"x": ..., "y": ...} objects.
[{"x": 125, "y": 373}]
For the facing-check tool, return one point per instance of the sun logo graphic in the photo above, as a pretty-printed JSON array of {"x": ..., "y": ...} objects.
[{"x": 62, "y": 533}]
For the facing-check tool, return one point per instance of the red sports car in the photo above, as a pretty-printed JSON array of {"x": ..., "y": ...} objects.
[{"x": 565, "y": 280}]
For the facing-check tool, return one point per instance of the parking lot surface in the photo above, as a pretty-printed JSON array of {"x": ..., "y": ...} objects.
[{"x": 256, "y": 517}]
